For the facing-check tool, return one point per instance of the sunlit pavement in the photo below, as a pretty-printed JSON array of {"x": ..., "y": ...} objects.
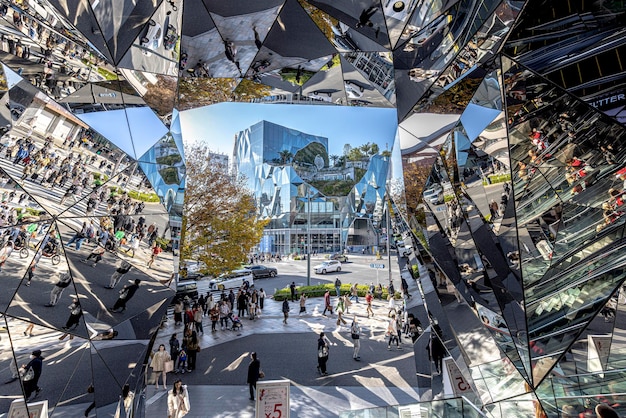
[{"x": 217, "y": 387}]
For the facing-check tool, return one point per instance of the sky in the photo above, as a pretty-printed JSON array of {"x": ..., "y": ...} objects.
[{"x": 218, "y": 124}]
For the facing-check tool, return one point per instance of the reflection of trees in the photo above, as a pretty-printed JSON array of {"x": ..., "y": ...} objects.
[
  {"x": 248, "y": 90},
  {"x": 161, "y": 95},
  {"x": 415, "y": 176},
  {"x": 198, "y": 92},
  {"x": 456, "y": 98},
  {"x": 321, "y": 19},
  {"x": 220, "y": 225}
]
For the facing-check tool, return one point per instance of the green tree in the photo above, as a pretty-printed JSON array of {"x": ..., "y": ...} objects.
[
  {"x": 220, "y": 225},
  {"x": 334, "y": 158},
  {"x": 285, "y": 156}
]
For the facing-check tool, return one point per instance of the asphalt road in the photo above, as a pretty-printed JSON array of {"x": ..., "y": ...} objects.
[{"x": 356, "y": 270}]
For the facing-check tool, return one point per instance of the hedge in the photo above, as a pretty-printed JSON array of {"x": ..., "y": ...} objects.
[{"x": 319, "y": 290}]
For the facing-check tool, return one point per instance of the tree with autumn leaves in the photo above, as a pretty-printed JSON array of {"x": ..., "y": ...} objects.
[{"x": 220, "y": 225}]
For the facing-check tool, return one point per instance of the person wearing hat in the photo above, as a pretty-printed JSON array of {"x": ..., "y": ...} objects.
[{"x": 30, "y": 374}]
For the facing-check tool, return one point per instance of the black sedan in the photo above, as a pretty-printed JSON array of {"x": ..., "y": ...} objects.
[{"x": 259, "y": 271}]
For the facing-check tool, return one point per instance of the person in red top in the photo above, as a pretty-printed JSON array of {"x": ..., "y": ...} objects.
[
  {"x": 368, "y": 300},
  {"x": 156, "y": 250}
]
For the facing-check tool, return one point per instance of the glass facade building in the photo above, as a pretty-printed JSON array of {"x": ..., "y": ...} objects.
[
  {"x": 507, "y": 173},
  {"x": 279, "y": 165}
]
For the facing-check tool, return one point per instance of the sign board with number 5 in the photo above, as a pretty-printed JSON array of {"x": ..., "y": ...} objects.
[
  {"x": 454, "y": 383},
  {"x": 272, "y": 399}
]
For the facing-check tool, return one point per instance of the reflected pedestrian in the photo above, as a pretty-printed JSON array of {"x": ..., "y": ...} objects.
[
  {"x": 58, "y": 288},
  {"x": 75, "y": 313},
  {"x": 119, "y": 273},
  {"x": 126, "y": 294},
  {"x": 302, "y": 304},
  {"x": 125, "y": 404},
  {"x": 292, "y": 288}
]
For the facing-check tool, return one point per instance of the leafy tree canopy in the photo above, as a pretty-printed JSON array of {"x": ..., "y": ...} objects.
[{"x": 220, "y": 225}]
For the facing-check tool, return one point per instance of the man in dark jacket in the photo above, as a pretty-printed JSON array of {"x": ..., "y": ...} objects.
[
  {"x": 31, "y": 374},
  {"x": 254, "y": 368},
  {"x": 126, "y": 294}
]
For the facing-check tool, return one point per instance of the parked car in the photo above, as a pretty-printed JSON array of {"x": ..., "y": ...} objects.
[
  {"x": 259, "y": 271},
  {"x": 327, "y": 267},
  {"x": 339, "y": 257},
  {"x": 187, "y": 288},
  {"x": 153, "y": 38},
  {"x": 170, "y": 38},
  {"x": 232, "y": 280}
]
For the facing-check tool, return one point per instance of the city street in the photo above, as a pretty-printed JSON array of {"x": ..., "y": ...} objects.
[{"x": 356, "y": 270}]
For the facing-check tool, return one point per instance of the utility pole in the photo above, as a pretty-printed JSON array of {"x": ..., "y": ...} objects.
[{"x": 308, "y": 239}]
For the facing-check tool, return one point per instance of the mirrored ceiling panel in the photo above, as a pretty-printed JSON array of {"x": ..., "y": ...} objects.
[{"x": 156, "y": 48}]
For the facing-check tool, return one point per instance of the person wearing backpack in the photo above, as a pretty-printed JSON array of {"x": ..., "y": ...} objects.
[{"x": 338, "y": 286}]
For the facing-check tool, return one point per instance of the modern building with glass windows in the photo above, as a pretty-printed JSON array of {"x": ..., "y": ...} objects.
[
  {"x": 506, "y": 176},
  {"x": 280, "y": 166}
]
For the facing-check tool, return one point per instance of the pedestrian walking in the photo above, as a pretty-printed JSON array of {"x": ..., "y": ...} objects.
[
  {"x": 340, "y": 309},
  {"x": 436, "y": 350},
  {"x": 285, "y": 310},
  {"x": 174, "y": 347},
  {"x": 193, "y": 348},
  {"x": 75, "y": 313},
  {"x": 405, "y": 288},
  {"x": 5, "y": 253},
  {"x": 327, "y": 305},
  {"x": 159, "y": 368},
  {"x": 254, "y": 373},
  {"x": 178, "y": 312},
  {"x": 302, "y": 304},
  {"x": 156, "y": 250},
  {"x": 126, "y": 294},
  {"x": 96, "y": 255},
  {"x": 125, "y": 404},
  {"x": 354, "y": 293},
  {"x": 392, "y": 331},
  {"x": 178, "y": 401},
  {"x": 198, "y": 313},
  {"x": 368, "y": 300},
  {"x": 355, "y": 333},
  {"x": 292, "y": 288},
  {"x": 262, "y": 296},
  {"x": 31, "y": 373},
  {"x": 337, "y": 286},
  {"x": 123, "y": 268},
  {"x": 57, "y": 290},
  {"x": 323, "y": 349}
]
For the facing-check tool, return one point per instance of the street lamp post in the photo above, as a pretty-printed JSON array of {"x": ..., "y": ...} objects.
[{"x": 308, "y": 239}]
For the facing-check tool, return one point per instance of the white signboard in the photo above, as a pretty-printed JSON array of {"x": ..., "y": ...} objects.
[
  {"x": 35, "y": 409},
  {"x": 272, "y": 399},
  {"x": 409, "y": 411},
  {"x": 454, "y": 383}
]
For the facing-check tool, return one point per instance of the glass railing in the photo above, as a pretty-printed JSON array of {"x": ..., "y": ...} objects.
[{"x": 445, "y": 408}]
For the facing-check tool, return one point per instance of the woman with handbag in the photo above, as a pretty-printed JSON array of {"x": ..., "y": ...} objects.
[
  {"x": 158, "y": 364},
  {"x": 30, "y": 374},
  {"x": 125, "y": 404},
  {"x": 355, "y": 331},
  {"x": 323, "y": 345},
  {"x": 178, "y": 401}
]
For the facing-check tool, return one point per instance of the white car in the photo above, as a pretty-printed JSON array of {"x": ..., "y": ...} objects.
[
  {"x": 232, "y": 280},
  {"x": 152, "y": 40},
  {"x": 327, "y": 267},
  {"x": 434, "y": 195}
]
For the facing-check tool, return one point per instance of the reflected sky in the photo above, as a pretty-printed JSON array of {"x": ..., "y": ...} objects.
[{"x": 218, "y": 124}]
